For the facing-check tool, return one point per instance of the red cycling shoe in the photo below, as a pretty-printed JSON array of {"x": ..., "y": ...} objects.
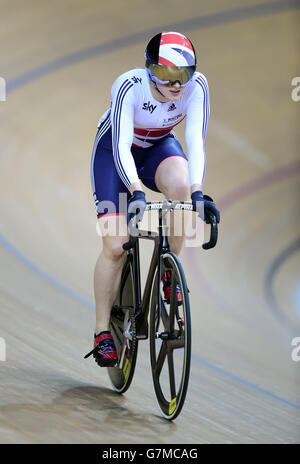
[
  {"x": 104, "y": 350},
  {"x": 166, "y": 280}
]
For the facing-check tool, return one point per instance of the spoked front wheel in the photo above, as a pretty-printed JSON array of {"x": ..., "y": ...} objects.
[{"x": 170, "y": 337}]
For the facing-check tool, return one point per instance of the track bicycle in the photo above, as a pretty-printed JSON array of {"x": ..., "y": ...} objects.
[{"x": 169, "y": 324}]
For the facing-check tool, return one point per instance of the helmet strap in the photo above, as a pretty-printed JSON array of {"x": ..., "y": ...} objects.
[{"x": 155, "y": 85}]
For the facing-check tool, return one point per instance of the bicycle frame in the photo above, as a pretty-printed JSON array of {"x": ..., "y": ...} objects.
[
  {"x": 143, "y": 301},
  {"x": 161, "y": 246}
]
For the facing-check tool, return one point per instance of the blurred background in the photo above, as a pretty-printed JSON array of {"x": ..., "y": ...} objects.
[{"x": 59, "y": 60}]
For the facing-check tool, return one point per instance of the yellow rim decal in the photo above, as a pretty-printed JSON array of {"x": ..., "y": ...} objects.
[
  {"x": 126, "y": 368},
  {"x": 172, "y": 406}
]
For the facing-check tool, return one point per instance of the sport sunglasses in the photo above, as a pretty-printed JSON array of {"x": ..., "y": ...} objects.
[{"x": 170, "y": 74}]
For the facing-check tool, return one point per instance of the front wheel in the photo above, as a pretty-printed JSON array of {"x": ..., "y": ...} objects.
[{"x": 170, "y": 337}]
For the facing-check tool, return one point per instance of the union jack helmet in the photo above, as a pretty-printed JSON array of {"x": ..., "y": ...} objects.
[{"x": 170, "y": 56}]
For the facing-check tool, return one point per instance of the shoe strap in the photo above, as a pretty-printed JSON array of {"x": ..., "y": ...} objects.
[
  {"x": 99, "y": 338},
  {"x": 102, "y": 336}
]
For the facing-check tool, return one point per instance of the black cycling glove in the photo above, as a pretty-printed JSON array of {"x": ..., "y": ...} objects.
[
  {"x": 137, "y": 205},
  {"x": 204, "y": 204}
]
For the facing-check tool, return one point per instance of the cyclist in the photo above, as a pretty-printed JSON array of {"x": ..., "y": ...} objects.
[{"x": 135, "y": 145}]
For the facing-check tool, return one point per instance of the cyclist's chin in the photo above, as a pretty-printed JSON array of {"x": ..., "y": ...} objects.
[
  {"x": 170, "y": 93},
  {"x": 174, "y": 95}
]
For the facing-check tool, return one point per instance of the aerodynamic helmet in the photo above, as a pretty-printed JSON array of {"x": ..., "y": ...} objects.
[{"x": 170, "y": 57}]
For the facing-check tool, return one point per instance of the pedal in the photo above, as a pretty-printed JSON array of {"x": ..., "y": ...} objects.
[{"x": 180, "y": 321}]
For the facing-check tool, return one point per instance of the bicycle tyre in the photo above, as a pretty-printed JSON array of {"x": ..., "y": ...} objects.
[
  {"x": 122, "y": 316},
  {"x": 170, "y": 397}
]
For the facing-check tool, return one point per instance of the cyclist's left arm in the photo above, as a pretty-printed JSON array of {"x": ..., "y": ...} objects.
[{"x": 197, "y": 115}]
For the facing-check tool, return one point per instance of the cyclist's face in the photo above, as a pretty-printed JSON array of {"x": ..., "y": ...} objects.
[{"x": 172, "y": 92}]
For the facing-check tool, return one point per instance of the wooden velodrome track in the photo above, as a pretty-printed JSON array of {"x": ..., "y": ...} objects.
[{"x": 59, "y": 60}]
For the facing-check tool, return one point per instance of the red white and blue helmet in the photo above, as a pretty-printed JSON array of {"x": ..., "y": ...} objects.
[{"x": 170, "y": 57}]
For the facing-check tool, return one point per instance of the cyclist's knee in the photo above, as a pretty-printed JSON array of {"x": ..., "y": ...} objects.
[
  {"x": 114, "y": 234},
  {"x": 172, "y": 178},
  {"x": 113, "y": 248},
  {"x": 178, "y": 189}
]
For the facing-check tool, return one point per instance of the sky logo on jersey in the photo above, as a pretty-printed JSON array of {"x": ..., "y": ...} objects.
[
  {"x": 172, "y": 107},
  {"x": 149, "y": 107},
  {"x": 136, "y": 79}
]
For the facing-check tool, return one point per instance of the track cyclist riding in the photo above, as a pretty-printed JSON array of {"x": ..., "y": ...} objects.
[{"x": 135, "y": 145}]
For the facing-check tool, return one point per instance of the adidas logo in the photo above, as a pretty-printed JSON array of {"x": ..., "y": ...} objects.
[{"x": 172, "y": 107}]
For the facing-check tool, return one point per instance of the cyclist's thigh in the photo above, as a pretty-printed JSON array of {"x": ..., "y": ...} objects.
[
  {"x": 110, "y": 194},
  {"x": 155, "y": 158}
]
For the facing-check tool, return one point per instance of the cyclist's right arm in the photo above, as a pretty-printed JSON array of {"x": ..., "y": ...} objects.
[{"x": 122, "y": 121}]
